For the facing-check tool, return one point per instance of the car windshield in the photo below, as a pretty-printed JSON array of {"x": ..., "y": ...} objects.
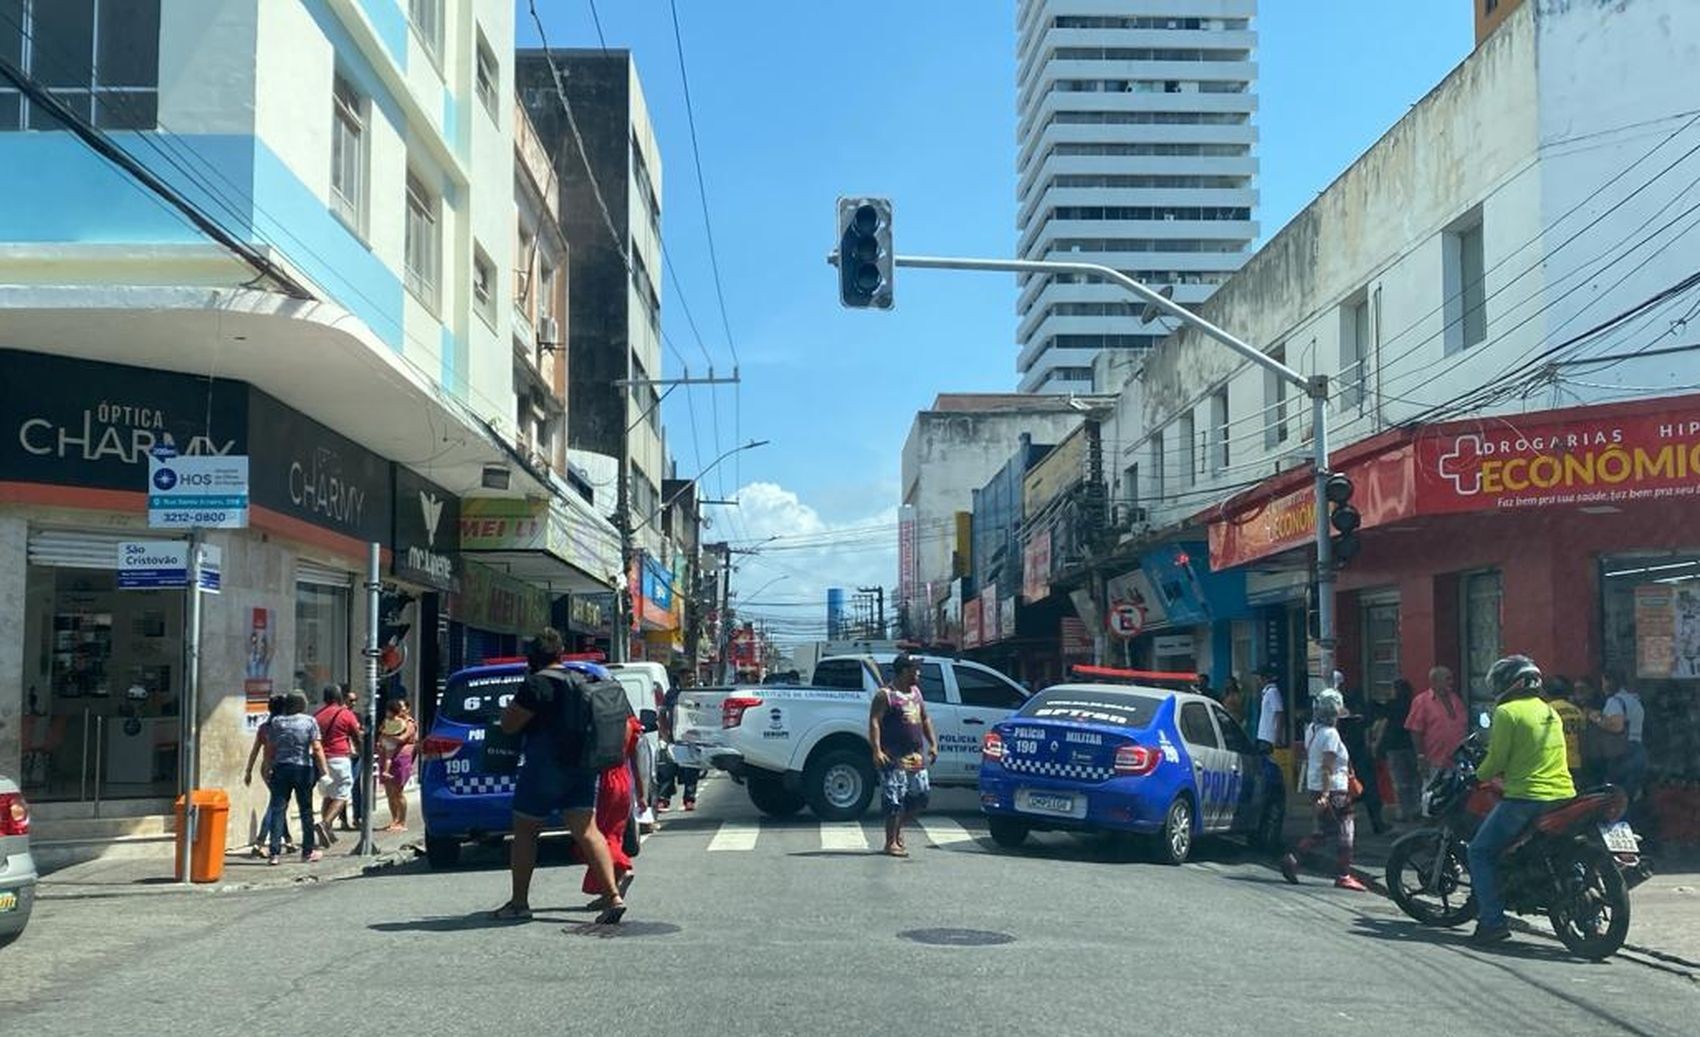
[
  {"x": 479, "y": 699},
  {"x": 1121, "y": 708}
]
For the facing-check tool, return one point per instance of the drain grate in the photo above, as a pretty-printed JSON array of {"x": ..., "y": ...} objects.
[{"x": 956, "y": 937}]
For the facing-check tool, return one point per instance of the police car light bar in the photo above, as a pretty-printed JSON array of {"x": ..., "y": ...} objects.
[
  {"x": 566, "y": 657},
  {"x": 1111, "y": 673}
]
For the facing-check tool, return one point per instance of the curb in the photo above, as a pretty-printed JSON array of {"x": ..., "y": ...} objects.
[
  {"x": 45, "y": 889},
  {"x": 1317, "y": 860}
]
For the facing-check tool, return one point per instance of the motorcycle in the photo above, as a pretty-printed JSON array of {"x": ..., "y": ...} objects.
[{"x": 1575, "y": 863}]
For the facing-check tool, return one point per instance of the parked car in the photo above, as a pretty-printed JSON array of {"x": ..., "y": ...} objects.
[
  {"x": 461, "y": 799},
  {"x": 640, "y": 681},
  {"x": 17, "y": 867},
  {"x": 808, "y": 746}
]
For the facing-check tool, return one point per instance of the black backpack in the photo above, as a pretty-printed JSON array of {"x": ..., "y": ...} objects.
[{"x": 592, "y": 720}]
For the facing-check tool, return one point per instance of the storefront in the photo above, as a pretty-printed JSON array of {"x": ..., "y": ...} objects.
[
  {"x": 660, "y": 633},
  {"x": 1542, "y": 534}
]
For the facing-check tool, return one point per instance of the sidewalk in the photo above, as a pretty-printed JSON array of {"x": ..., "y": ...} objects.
[
  {"x": 1664, "y": 911},
  {"x": 154, "y": 875}
]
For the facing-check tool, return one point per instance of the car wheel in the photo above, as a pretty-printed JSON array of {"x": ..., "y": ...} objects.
[
  {"x": 441, "y": 851},
  {"x": 1007, "y": 832},
  {"x": 839, "y": 784},
  {"x": 1175, "y": 843},
  {"x": 1271, "y": 826},
  {"x": 772, "y": 798}
]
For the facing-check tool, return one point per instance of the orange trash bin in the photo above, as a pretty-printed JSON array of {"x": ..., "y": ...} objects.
[{"x": 212, "y": 816}]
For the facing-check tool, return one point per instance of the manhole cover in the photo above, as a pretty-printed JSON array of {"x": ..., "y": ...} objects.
[
  {"x": 957, "y": 937},
  {"x": 624, "y": 929}
]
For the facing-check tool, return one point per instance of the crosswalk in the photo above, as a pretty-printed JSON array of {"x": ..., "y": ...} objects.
[{"x": 742, "y": 836}]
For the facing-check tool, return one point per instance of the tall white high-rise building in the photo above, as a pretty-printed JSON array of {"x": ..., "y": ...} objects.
[{"x": 1138, "y": 151}]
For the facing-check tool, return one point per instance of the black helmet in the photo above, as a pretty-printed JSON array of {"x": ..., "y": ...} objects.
[{"x": 1512, "y": 674}]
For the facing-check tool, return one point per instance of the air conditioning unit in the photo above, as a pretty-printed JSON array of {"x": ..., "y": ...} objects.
[
  {"x": 1124, "y": 516},
  {"x": 548, "y": 331}
]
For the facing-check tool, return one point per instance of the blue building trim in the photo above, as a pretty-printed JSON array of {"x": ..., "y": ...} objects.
[
  {"x": 353, "y": 63},
  {"x": 388, "y": 19},
  {"x": 53, "y": 189},
  {"x": 452, "y": 366}
]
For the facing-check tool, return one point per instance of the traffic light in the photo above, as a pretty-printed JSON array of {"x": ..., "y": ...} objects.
[
  {"x": 864, "y": 253},
  {"x": 1343, "y": 517}
]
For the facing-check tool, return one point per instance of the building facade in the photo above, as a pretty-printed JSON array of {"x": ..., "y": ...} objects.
[
  {"x": 1137, "y": 150},
  {"x": 296, "y": 245},
  {"x": 610, "y": 174}
]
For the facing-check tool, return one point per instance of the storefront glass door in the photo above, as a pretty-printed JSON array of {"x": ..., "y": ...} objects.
[
  {"x": 1482, "y": 647},
  {"x": 1381, "y": 649}
]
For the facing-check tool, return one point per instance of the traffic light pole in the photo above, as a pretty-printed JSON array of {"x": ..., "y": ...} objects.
[{"x": 1316, "y": 388}]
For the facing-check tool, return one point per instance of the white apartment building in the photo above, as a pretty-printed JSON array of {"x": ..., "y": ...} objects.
[{"x": 1137, "y": 150}]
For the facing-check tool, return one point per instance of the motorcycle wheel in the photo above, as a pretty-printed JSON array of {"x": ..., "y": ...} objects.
[
  {"x": 1439, "y": 897},
  {"x": 1591, "y": 916}
]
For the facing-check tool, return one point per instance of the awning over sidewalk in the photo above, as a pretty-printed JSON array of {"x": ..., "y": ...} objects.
[
  {"x": 547, "y": 543},
  {"x": 1596, "y": 459}
]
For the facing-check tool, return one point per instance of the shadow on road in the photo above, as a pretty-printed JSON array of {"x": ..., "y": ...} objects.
[{"x": 1406, "y": 931}]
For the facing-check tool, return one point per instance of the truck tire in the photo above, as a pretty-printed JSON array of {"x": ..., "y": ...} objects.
[
  {"x": 772, "y": 798},
  {"x": 839, "y": 784}
]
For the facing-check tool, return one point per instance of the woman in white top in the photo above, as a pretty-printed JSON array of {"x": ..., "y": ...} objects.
[{"x": 1328, "y": 769}]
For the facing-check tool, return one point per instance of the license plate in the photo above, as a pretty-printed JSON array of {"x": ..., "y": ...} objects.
[
  {"x": 1620, "y": 838},
  {"x": 1055, "y": 804},
  {"x": 8, "y": 902}
]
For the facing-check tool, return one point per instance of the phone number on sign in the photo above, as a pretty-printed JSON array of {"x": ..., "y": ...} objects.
[{"x": 190, "y": 518}]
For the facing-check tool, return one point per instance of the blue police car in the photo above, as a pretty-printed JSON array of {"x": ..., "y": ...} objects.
[
  {"x": 1145, "y": 760},
  {"x": 462, "y": 798}
]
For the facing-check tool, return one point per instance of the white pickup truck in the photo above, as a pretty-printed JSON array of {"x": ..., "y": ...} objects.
[{"x": 797, "y": 746}]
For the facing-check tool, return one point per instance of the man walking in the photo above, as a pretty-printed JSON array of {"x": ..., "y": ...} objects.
[
  {"x": 1437, "y": 722},
  {"x": 339, "y": 729},
  {"x": 1271, "y": 710},
  {"x": 551, "y": 779},
  {"x": 905, "y": 745},
  {"x": 1526, "y": 745}
]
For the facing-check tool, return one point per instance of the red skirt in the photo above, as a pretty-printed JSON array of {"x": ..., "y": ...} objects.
[{"x": 613, "y": 814}]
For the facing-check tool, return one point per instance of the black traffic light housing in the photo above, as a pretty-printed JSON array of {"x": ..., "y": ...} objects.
[
  {"x": 1343, "y": 518},
  {"x": 864, "y": 253}
]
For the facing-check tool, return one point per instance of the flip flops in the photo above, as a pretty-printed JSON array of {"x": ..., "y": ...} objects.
[
  {"x": 511, "y": 912},
  {"x": 612, "y": 915}
]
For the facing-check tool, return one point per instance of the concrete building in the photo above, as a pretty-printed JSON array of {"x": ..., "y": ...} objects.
[
  {"x": 318, "y": 285},
  {"x": 953, "y": 448},
  {"x": 1137, "y": 150},
  {"x": 615, "y": 332},
  {"x": 1498, "y": 291},
  {"x": 540, "y": 303}
]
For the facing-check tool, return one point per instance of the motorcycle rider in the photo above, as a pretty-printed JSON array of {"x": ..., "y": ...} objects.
[{"x": 1526, "y": 745}]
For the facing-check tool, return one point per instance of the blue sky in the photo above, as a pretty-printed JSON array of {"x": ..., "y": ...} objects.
[{"x": 785, "y": 124}]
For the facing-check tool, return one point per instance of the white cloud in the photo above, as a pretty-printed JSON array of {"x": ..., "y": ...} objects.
[{"x": 809, "y": 555}]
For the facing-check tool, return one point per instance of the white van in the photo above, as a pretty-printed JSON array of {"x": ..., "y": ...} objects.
[{"x": 642, "y": 681}]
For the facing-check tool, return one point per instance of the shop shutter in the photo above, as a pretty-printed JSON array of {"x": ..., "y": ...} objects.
[
  {"x": 323, "y": 575},
  {"x": 76, "y": 549}
]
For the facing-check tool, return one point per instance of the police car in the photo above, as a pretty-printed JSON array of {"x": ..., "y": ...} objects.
[
  {"x": 1136, "y": 759},
  {"x": 460, "y": 797}
]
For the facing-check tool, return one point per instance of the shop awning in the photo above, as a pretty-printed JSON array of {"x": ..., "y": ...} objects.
[
  {"x": 551, "y": 544},
  {"x": 1597, "y": 459}
]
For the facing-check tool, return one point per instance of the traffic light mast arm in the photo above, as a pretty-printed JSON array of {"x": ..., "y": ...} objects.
[{"x": 1316, "y": 388}]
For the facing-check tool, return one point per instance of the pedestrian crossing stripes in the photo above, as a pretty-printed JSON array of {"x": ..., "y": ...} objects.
[
  {"x": 843, "y": 835},
  {"x": 835, "y": 836},
  {"x": 735, "y": 835}
]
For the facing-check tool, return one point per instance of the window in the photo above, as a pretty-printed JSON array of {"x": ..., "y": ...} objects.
[
  {"x": 99, "y": 58},
  {"x": 932, "y": 683},
  {"x": 427, "y": 18},
  {"x": 1354, "y": 351},
  {"x": 1130, "y": 485},
  {"x": 1219, "y": 430},
  {"x": 1189, "y": 451},
  {"x": 1233, "y": 735},
  {"x": 838, "y": 673},
  {"x": 1275, "y": 429},
  {"x": 1196, "y": 728},
  {"x": 423, "y": 244},
  {"x": 489, "y": 79},
  {"x": 1463, "y": 281},
  {"x": 1157, "y": 466},
  {"x": 986, "y": 691},
  {"x": 1095, "y": 705},
  {"x": 484, "y": 285},
  {"x": 348, "y": 155}
]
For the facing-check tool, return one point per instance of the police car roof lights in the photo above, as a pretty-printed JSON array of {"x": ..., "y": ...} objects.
[{"x": 1178, "y": 679}]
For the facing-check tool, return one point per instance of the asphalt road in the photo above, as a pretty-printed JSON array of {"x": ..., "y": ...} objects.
[{"x": 797, "y": 928}]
